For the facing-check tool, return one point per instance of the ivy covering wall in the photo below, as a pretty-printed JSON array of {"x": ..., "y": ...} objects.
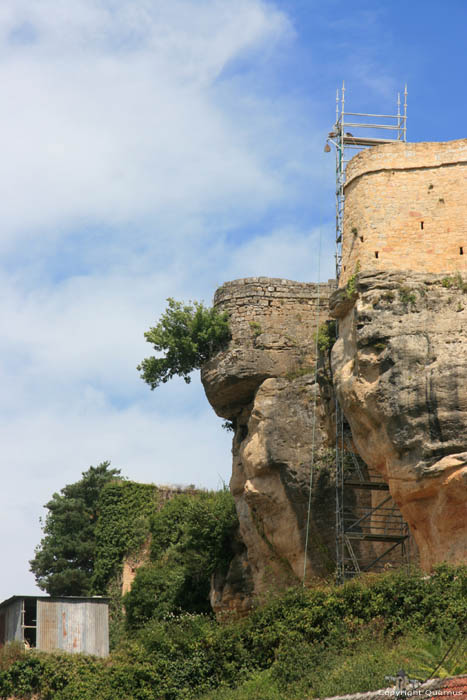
[{"x": 123, "y": 525}]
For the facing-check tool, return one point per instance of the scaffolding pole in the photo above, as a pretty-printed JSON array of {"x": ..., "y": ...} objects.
[{"x": 382, "y": 523}]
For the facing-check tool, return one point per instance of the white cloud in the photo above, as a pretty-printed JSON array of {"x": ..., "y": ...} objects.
[
  {"x": 286, "y": 252},
  {"x": 147, "y": 152},
  {"x": 130, "y": 147},
  {"x": 109, "y": 112}
]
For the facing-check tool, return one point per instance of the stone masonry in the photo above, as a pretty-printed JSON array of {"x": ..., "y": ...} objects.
[
  {"x": 273, "y": 323},
  {"x": 406, "y": 209}
]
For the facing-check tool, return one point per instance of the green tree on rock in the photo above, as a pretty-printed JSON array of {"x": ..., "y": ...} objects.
[
  {"x": 188, "y": 335},
  {"x": 64, "y": 561}
]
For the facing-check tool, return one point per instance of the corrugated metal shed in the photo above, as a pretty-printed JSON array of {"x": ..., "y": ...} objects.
[
  {"x": 76, "y": 625},
  {"x": 73, "y": 625}
]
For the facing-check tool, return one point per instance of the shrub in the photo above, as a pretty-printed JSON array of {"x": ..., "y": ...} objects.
[
  {"x": 456, "y": 281},
  {"x": 351, "y": 287},
  {"x": 407, "y": 296},
  {"x": 327, "y": 335},
  {"x": 9, "y": 653},
  {"x": 304, "y": 643}
]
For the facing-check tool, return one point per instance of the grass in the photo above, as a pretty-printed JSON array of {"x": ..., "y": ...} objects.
[
  {"x": 455, "y": 282},
  {"x": 351, "y": 286},
  {"x": 302, "y": 372},
  {"x": 256, "y": 328},
  {"x": 407, "y": 296}
]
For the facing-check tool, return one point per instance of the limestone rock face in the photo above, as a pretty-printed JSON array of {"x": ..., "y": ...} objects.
[
  {"x": 233, "y": 593},
  {"x": 270, "y": 483},
  {"x": 400, "y": 372},
  {"x": 264, "y": 383}
]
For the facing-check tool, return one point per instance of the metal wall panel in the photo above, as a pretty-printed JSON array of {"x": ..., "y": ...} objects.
[
  {"x": 10, "y": 622},
  {"x": 73, "y": 625},
  {"x": 47, "y": 626},
  {"x": 14, "y": 628},
  {"x": 98, "y": 626}
]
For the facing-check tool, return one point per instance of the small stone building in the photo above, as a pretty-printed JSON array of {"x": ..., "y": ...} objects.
[{"x": 76, "y": 625}]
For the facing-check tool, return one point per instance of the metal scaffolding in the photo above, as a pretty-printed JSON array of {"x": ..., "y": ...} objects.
[
  {"x": 369, "y": 529},
  {"x": 368, "y": 133}
]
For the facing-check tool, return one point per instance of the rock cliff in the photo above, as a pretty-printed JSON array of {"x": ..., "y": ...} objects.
[
  {"x": 399, "y": 369},
  {"x": 264, "y": 383},
  {"x": 400, "y": 372}
]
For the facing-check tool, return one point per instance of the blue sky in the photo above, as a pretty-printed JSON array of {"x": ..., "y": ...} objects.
[{"x": 154, "y": 149}]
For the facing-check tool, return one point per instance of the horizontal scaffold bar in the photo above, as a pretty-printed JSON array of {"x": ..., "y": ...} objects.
[
  {"x": 364, "y": 114},
  {"x": 390, "y": 127}
]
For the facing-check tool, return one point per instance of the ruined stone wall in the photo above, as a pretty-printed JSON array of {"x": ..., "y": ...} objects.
[
  {"x": 273, "y": 323},
  {"x": 133, "y": 561},
  {"x": 275, "y": 304},
  {"x": 406, "y": 209}
]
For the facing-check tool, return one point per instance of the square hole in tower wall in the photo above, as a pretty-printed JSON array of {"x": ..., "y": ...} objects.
[
  {"x": 461, "y": 250},
  {"x": 376, "y": 254}
]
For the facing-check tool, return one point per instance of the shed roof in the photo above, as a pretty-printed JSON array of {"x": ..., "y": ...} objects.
[{"x": 96, "y": 598}]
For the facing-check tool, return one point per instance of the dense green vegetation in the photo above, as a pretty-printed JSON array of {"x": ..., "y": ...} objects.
[
  {"x": 125, "y": 508},
  {"x": 191, "y": 537},
  {"x": 64, "y": 561},
  {"x": 167, "y": 645},
  {"x": 93, "y": 524},
  {"x": 187, "y": 335},
  {"x": 302, "y": 644}
]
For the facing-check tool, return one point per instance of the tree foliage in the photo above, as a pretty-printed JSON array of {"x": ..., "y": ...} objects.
[
  {"x": 188, "y": 335},
  {"x": 64, "y": 561}
]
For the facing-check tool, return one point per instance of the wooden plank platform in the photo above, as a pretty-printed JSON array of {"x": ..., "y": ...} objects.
[
  {"x": 370, "y": 485},
  {"x": 366, "y": 141},
  {"x": 370, "y": 537}
]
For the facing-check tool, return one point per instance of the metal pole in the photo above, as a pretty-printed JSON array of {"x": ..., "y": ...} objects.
[
  {"x": 405, "y": 112},
  {"x": 343, "y": 99},
  {"x": 339, "y": 524},
  {"x": 398, "y": 116}
]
